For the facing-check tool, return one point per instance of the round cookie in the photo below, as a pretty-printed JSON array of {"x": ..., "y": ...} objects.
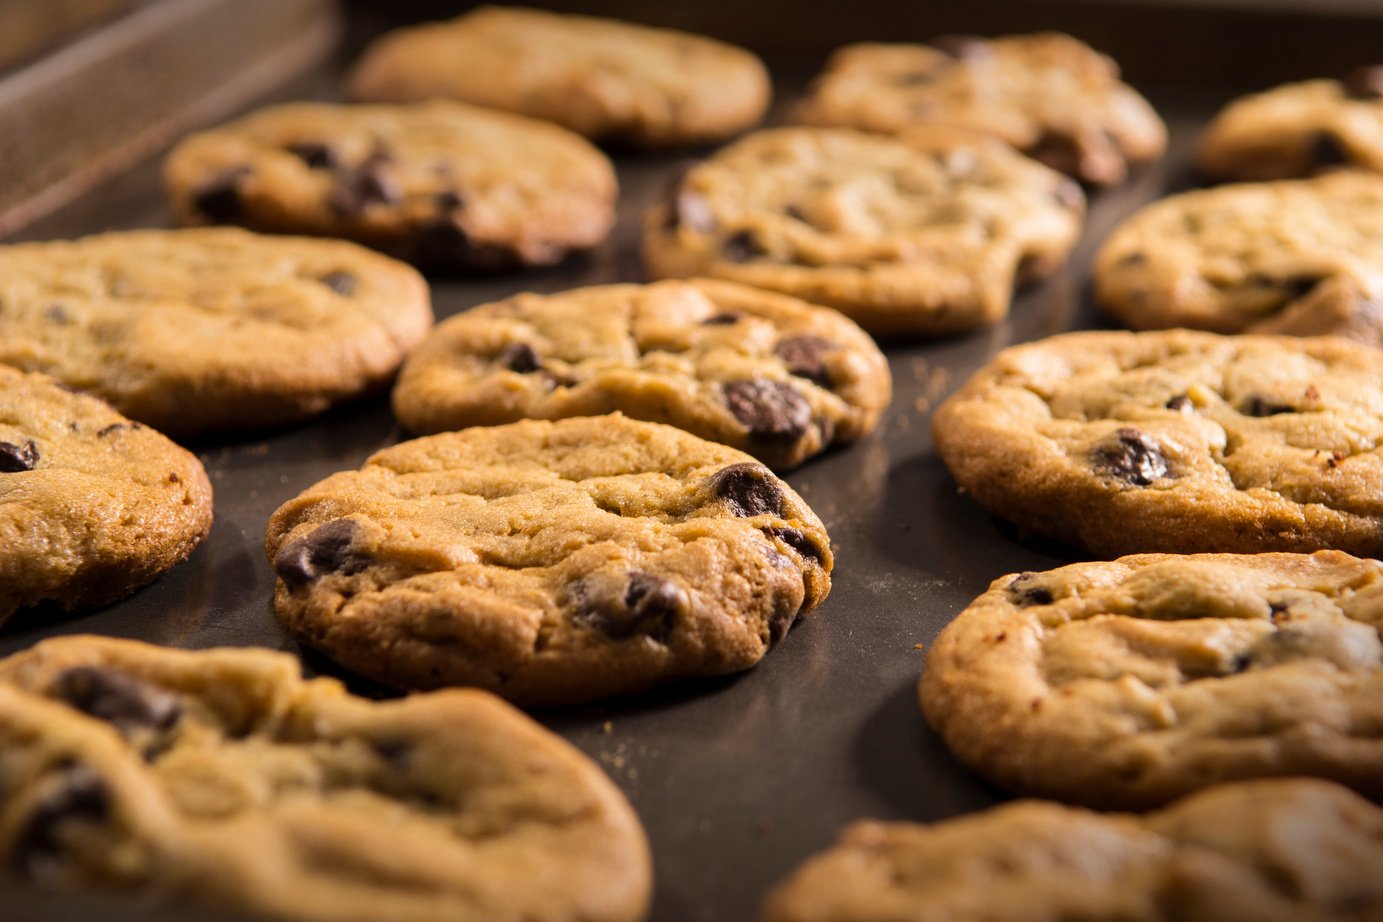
[
  {"x": 923, "y": 236},
  {"x": 444, "y": 185},
  {"x": 1298, "y": 129},
  {"x": 1130, "y": 683},
  {"x": 761, "y": 372},
  {"x": 1270, "y": 851},
  {"x": 1302, "y": 257},
  {"x": 608, "y": 80},
  {"x": 222, "y": 778},
  {"x": 92, "y": 505},
  {"x": 1049, "y": 95},
  {"x": 552, "y": 562},
  {"x": 208, "y": 330},
  {"x": 1176, "y": 442}
]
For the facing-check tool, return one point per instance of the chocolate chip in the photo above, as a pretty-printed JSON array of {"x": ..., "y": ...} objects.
[
  {"x": 219, "y": 199},
  {"x": 1364, "y": 83},
  {"x": 1068, "y": 195},
  {"x": 342, "y": 282},
  {"x": 1258, "y": 406},
  {"x": 649, "y": 606},
  {"x": 325, "y": 549},
  {"x": 519, "y": 357},
  {"x": 1240, "y": 663},
  {"x": 724, "y": 319},
  {"x": 371, "y": 183},
  {"x": 797, "y": 539},
  {"x": 315, "y": 154},
  {"x": 768, "y": 409},
  {"x": 78, "y": 795},
  {"x": 15, "y": 459},
  {"x": 1327, "y": 151},
  {"x": 1181, "y": 403},
  {"x": 742, "y": 246},
  {"x": 748, "y": 490},
  {"x": 1025, "y": 593},
  {"x": 779, "y": 625},
  {"x": 118, "y": 698},
  {"x": 443, "y": 244},
  {"x": 1132, "y": 458},
  {"x": 449, "y": 200},
  {"x": 802, "y": 355},
  {"x": 962, "y": 47}
]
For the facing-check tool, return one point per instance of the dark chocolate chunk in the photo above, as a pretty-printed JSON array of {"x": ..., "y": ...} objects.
[
  {"x": 1181, "y": 403},
  {"x": 15, "y": 459},
  {"x": 219, "y": 199},
  {"x": 724, "y": 319},
  {"x": 1327, "y": 151},
  {"x": 742, "y": 246},
  {"x": 325, "y": 549},
  {"x": 748, "y": 490},
  {"x": 779, "y": 625},
  {"x": 449, "y": 200},
  {"x": 1024, "y": 591},
  {"x": 342, "y": 282},
  {"x": 519, "y": 357},
  {"x": 315, "y": 154},
  {"x": 770, "y": 410},
  {"x": 1068, "y": 195},
  {"x": 1258, "y": 406},
  {"x": 802, "y": 355},
  {"x": 371, "y": 183},
  {"x": 117, "y": 697},
  {"x": 1132, "y": 458},
  {"x": 962, "y": 47},
  {"x": 79, "y": 795},
  {"x": 653, "y": 603},
  {"x": 797, "y": 539},
  {"x": 1364, "y": 83}
]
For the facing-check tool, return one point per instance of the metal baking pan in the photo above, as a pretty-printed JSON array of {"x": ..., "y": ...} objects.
[{"x": 739, "y": 779}]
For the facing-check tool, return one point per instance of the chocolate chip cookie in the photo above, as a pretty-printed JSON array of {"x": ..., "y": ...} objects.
[
  {"x": 444, "y": 185},
  {"x": 609, "y": 80},
  {"x": 764, "y": 373},
  {"x": 1049, "y": 95},
  {"x": 92, "y": 505},
  {"x": 923, "y": 236},
  {"x": 1303, "y": 257},
  {"x": 1270, "y": 851},
  {"x": 1129, "y": 683},
  {"x": 1298, "y": 129},
  {"x": 209, "y": 330},
  {"x": 222, "y": 778},
  {"x": 1176, "y": 441},
  {"x": 550, "y": 562}
]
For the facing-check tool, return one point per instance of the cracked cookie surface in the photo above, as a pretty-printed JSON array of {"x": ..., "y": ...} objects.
[
  {"x": 761, "y": 372},
  {"x": 92, "y": 505},
  {"x": 1271, "y": 851},
  {"x": 223, "y": 778},
  {"x": 1176, "y": 441},
  {"x": 605, "y": 79},
  {"x": 445, "y": 185},
  {"x": 1298, "y": 129},
  {"x": 1049, "y": 95},
  {"x": 552, "y": 562},
  {"x": 924, "y": 236},
  {"x": 1301, "y": 257},
  {"x": 207, "y": 330},
  {"x": 1132, "y": 682}
]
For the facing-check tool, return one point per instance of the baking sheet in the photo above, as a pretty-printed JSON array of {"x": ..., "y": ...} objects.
[{"x": 737, "y": 779}]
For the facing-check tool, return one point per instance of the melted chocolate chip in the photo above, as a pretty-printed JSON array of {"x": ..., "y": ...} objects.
[
  {"x": 1132, "y": 458},
  {"x": 802, "y": 355},
  {"x": 778, "y": 626},
  {"x": 219, "y": 199},
  {"x": 371, "y": 183},
  {"x": 15, "y": 459},
  {"x": 1327, "y": 151},
  {"x": 748, "y": 490},
  {"x": 653, "y": 603},
  {"x": 117, "y": 697},
  {"x": 1364, "y": 83},
  {"x": 519, "y": 357},
  {"x": 1024, "y": 591},
  {"x": 325, "y": 549},
  {"x": 770, "y": 410},
  {"x": 742, "y": 246},
  {"x": 797, "y": 539},
  {"x": 342, "y": 282},
  {"x": 79, "y": 795},
  {"x": 962, "y": 47},
  {"x": 1181, "y": 403},
  {"x": 443, "y": 244},
  {"x": 1258, "y": 406},
  {"x": 315, "y": 154}
]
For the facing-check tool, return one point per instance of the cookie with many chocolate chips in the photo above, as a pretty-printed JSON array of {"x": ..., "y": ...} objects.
[
  {"x": 1303, "y": 257},
  {"x": 208, "y": 330},
  {"x": 1176, "y": 441},
  {"x": 222, "y": 778},
  {"x": 923, "y": 236},
  {"x": 551, "y": 562},
  {"x": 444, "y": 185},
  {"x": 609, "y": 80},
  {"x": 1270, "y": 851},
  {"x": 1298, "y": 129},
  {"x": 92, "y": 505},
  {"x": 762, "y": 372},
  {"x": 1049, "y": 95},
  {"x": 1129, "y": 683}
]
